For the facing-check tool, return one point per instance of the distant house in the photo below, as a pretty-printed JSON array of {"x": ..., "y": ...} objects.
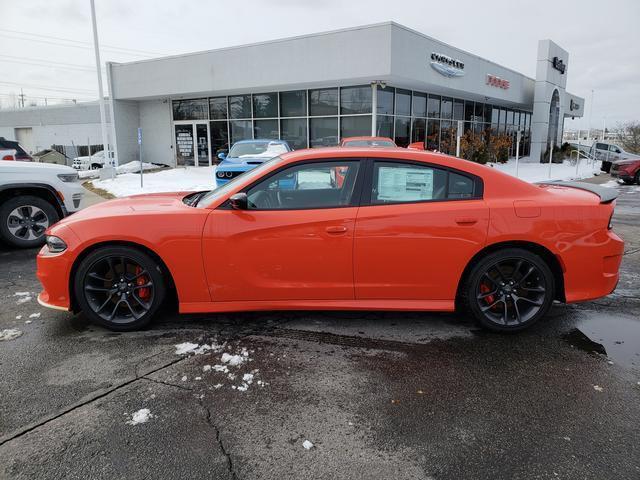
[{"x": 51, "y": 156}]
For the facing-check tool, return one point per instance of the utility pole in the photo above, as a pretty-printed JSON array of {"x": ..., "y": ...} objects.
[
  {"x": 103, "y": 117},
  {"x": 590, "y": 117},
  {"x": 21, "y": 98}
]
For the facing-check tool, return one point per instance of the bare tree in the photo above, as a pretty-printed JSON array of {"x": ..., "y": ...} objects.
[{"x": 630, "y": 136}]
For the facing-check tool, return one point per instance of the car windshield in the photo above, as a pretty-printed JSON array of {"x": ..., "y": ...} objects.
[
  {"x": 252, "y": 174},
  {"x": 257, "y": 149},
  {"x": 369, "y": 143}
]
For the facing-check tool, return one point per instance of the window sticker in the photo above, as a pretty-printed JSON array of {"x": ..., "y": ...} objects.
[{"x": 405, "y": 184}]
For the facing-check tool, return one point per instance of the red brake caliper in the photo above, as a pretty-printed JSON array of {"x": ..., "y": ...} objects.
[
  {"x": 484, "y": 289},
  {"x": 144, "y": 292}
]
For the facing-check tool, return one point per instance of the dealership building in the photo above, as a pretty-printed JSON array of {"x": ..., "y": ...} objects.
[{"x": 384, "y": 80}]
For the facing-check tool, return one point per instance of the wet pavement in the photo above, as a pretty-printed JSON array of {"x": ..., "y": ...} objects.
[{"x": 380, "y": 395}]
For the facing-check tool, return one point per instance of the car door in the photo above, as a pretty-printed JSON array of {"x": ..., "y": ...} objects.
[
  {"x": 417, "y": 228},
  {"x": 293, "y": 242}
]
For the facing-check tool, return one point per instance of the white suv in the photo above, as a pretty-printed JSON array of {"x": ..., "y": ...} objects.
[
  {"x": 34, "y": 196},
  {"x": 93, "y": 162}
]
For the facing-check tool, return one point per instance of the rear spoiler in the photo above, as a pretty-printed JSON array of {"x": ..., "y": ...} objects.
[{"x": 607, "y": 195}]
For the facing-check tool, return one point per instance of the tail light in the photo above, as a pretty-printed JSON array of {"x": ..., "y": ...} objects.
[{"x": 8, "y": 157}]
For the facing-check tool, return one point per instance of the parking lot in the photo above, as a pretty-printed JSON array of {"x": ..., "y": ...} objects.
[{"x": 378, "y": 395}]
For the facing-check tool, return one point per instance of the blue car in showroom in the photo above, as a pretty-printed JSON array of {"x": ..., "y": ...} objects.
[{"x": 245, "y": 155}]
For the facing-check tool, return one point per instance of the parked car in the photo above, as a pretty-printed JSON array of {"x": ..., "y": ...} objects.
[
  {"x": 367, "y": 142},
  {"x": 34, "y": 196},
  {"x": 7, "y": 154},
  {"x": 608, "y": 153},
  {"x": 405, "y": 230},
  {"x": 91, "y": 162},
  {"x": 20, "y": 153},
  {"x": 245, "y": 155},
  {"x": 627, "y": 170}
]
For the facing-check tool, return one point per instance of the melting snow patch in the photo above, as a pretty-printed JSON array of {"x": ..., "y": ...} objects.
[
  {"x": 27, "y": 322},
  {"x": 9, "y": 334},
  {"x": 598, "y": 388},
  {"x": 18, "y": 317},
  {"x": 206, "y": 368},
  {"x": 217, "y": 385},
  {"x": 307, "y": 445},
  {"x": 141, "y": 416},
  {"x": 22, "y": 294},
  {"x": 188, "y": 347},
  {"x": 234, "y": 360},
  {"x": 35, "y": 315},
  {"x": 22, "y": 300},
  {"x": 221, "y": 368},
  {"x": 184, "y": 379}
]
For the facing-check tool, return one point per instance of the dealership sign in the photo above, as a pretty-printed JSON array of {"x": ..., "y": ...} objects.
[
  {"x": 447, "y": 66},
  {"x": 574, "y": 105},
  {"x": 497, "y": 82},
  {"x": 558, "y": 64}
]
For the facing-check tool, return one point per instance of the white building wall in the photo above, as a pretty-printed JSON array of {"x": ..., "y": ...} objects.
[
  {"x": 126, "y": 128},
  {"x": 157, "y": 132}
]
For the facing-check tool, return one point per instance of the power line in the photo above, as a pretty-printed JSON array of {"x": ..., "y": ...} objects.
[
  {"x": 53, "y": 89},
  {"x": 50, "y": 65},
  {"x": 14, "y": 95},
  {"x": 40, "y": 61},
  {"x": 13, "y": 33}
]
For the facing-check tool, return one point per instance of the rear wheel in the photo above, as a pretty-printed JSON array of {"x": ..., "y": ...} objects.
[
  {"x": 509, "y": 290},
  {"x": 120, "y": 288},
  {"x": 24, "y": 219}
]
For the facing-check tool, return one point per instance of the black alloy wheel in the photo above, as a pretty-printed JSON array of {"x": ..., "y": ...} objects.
[
  {"x": 24, "y": 220},
  {"x": 120, "y": 288},
  {"x": 510, "y": 290}
]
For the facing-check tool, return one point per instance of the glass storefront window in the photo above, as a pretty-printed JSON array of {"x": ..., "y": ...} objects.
[
  {"x": 447, "y": 108},
  {"x": 433, "y": 134},
  {"x": 185, "y": 154},
  {"x": 419, "y": 104},
  {"x": 323, "y": 102},
  {"x": 293, "y": 104},
  {"x": 503, "y": 117},
  {"x": 487, "y": 113},
  {"x": 355, "y": 126},
  {"x": 509, "y": 121},
  {"x": 354, "y": 100},
  {"x": 468, "y": 111},
  {"x": 403, "y": 102},
  {"x": 265, "y": 105},
  {"x": 448, "y": 137},
  {"x": 479, "y": 112},
  {"x": 384, "y": 126},
  {"x": 240, "y": 106},
  {"x": 323, "y": 132},
  {"x": 419, "y": 130},
  {"x": 219, "y": 138},
  {"x": 385, "y": 100},
  {"x": 197, "y": 109},
  {"x": 403, "y": 124},
  {"x": 294, "y": 131},
  {"x": 240, "y": 130},
  {"x": 266, "y": 129},
  {"x": 458, "y": 109},
  {"x": 433, "y": 106},
  {"x": 218, "y": 108}
]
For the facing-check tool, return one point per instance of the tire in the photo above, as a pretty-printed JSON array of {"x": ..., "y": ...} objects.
[
  {"x": 114, "y": 304},
  {"x": 638, "y": 177},
  {"x": 95, "y": 166},
  {"x": 509, "y": 290},
  {"x": 37, "y": 215}
]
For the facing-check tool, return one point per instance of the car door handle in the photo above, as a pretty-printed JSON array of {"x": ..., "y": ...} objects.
[
  {"x": 337, "y": 229},
  {"x": 466, "y": 220}
]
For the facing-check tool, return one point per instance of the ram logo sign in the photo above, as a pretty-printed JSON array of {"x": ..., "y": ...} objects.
[{"x": 447, "y": 66}]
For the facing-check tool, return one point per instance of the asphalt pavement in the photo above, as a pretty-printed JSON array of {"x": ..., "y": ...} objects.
[{"x": 372, "y": 395}]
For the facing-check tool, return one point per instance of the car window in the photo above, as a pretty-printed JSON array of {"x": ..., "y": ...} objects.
[
  {"x": 602, "y": 146},
  {"x": 306, "y": 186},
  {"x": 257, "y": 149},
  {"x": 395, "y": 182},
  {"x": 614, "y": 149}
]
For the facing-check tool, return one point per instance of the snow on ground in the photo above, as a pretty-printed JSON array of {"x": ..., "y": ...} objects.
[
  {"x": 9, "y": 334},
  {"x": 35, "y": 315},
  {"x": 141, "y": 416},
  {"x": 170, "y": 180},
  {"x": 307, "y": 445},
  {"x": 188, "y": 347},
  {"x": 531, "y": 171},
  {"x": 131, "y": 167}
]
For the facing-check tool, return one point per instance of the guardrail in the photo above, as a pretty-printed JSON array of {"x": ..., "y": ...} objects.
[{"x": 579, "y": 153}]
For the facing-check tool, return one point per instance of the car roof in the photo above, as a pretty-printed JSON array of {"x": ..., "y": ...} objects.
[
  {"x": 367, "y": 137},
  {"x": 261, "y": 140}
]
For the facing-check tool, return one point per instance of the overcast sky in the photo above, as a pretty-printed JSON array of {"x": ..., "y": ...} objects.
[{"x": 602, "y": 38}]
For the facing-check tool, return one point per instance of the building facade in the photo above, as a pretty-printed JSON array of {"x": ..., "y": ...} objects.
[{"x": 313, "y": 90}]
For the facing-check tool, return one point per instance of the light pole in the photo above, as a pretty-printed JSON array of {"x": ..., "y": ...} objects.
[
  {"x": 103, "y": 116},
  {"x": 590, "y": 117}
]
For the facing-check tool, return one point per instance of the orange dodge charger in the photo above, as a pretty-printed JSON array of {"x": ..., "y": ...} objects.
[{"x": 403, "y": 230}]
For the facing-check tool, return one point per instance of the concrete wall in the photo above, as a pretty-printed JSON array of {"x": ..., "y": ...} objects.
[
  {"x": 126, "y": 128},
  {"x": 315, "y": 60},
  {"x": 157, "y": 132}
]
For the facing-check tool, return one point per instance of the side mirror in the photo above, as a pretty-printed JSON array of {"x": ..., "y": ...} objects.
[
  {"x": 239, "y": 201},
  {"x": 222, "y": 155}
]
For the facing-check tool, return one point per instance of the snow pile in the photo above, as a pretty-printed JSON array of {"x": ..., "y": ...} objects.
[
  {"x": 141, "y": 416},
  {"x": 35, "y": 315},
  {"x": 131, "y": 167},
  {"x": 530, "y": 171},
  {"x": 307, "y": 445},
  {"x": 24, "y": 297},
  {"x": 188, "y": 347},
  {"x": 170, "y": 180},
  {"x": 236, "y": 361},
  {"x": 233, "y": 360},
  {"x": 9, "y": 334}
]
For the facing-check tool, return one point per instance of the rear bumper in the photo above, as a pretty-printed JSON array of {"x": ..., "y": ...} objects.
[{"x": 592, "y": 271}]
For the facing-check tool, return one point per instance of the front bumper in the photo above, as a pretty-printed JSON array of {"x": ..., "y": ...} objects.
[
  {"x": 622, "y": 175},
  {"x": 54, "y": 270}
]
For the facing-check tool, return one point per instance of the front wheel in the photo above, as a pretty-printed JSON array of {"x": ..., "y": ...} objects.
[
  {"x": 24, "y": 220},
  {"x": 120, "y": 288},
  {"x": 509, "y": 290}
]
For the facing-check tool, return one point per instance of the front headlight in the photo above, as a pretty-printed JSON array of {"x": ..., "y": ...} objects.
[
  {"x": 68, "y": 177},
  {"x": 55, "y": 244},
  {"x": 220, "y": 174}
]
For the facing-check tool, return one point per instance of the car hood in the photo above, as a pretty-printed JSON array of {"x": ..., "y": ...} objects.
[
  {"x": 627, "y": 161},
  {"x": 244, "y": 160},
  {"x": 147, "y": 203},
  {"x": 20, "y": 167}
]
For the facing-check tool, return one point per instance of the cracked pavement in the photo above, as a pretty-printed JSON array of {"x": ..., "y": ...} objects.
[{"x": 380, "y": 395}]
